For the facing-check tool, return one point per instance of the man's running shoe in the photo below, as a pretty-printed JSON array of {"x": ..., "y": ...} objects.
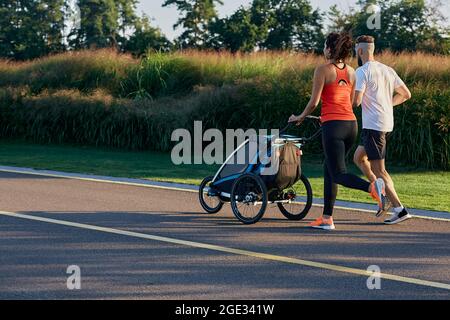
[
  {"x": 388, "y": 206},
  {"x": 321, "y": 223},
  {"x": 378, "y": 193},
  {"x": 398, "y": 217}
]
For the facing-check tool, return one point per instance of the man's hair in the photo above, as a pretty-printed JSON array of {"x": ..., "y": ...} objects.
[
  {"x": 365, "y": 39},
  {"x": 367, "y": 43}
]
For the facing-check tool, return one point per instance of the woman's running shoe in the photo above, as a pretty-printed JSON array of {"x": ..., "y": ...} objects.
[
  {"x": 321, "y": 223},
  {"x": 398, "y": 217},
  {"x": 378, "y": 193}
]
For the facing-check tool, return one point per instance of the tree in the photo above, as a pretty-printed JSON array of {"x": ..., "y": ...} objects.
[
  {"x": 295, "y": 25},
  {"x": 128, "y": 20},
  {"x": 197, "y": 15},
  {"x": 145, "y": 38},
  {"x": 98, "y": 25},
  {"x": 127, "y": 14},
  {"x": 235, "y": 33},
  {"x": 31, "y": 28},
  {"x": 271, "y": 24},
  {"x": 263, "y": 17},
  {"x": 406, "y": 25}
]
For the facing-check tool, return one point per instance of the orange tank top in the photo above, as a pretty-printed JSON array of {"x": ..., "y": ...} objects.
[{"x": 336, "y": 98}]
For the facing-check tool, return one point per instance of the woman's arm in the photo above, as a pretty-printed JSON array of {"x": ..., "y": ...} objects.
[{"x": 319, "y": 82}]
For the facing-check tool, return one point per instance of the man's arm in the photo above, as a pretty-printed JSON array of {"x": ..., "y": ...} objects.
[
  {"x": 402, "y": 94},
  {"x": 359, "y": 87}
]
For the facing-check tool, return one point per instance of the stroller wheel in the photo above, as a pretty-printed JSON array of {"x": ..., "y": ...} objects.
[
  {"x": 211, "y": 204},
  {"x": 300, "y": 191},
  {"x": 248, "y": 198}
]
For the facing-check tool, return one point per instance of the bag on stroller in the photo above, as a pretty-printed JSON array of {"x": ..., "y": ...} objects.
[{"x": 289, "y": 170}]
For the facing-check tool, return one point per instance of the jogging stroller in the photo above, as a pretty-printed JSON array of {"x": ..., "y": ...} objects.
[{"x": 272, "y": 175}]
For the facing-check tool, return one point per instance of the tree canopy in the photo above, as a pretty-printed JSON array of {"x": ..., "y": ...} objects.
[
  {"x": 270, "y": 24},
  {"x": 31, "y": 28},
  {"x": 34, "y": 28},
  {"x": 196, "y": 17},
  {"x": 406, "y": 25}
]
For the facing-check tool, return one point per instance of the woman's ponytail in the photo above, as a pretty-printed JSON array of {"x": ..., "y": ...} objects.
[{"x": 340, "y": 45}]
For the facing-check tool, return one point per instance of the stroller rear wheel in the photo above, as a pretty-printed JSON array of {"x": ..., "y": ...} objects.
[
  {"x": 300, "y": 191},
  {"x": 248, "y": 198},
  {"x": 211, "y": 204}
]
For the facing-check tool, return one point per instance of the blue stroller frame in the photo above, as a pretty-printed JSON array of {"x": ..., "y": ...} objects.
[{"x": 250, "y": 186}]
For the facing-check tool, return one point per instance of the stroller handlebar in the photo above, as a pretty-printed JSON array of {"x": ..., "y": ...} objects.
[
  {"x": 313, "y": 118},
  {"x": 309, "y": 118}
]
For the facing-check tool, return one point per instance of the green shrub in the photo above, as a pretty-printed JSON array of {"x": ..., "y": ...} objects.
[{"x": 421, "y": 134}]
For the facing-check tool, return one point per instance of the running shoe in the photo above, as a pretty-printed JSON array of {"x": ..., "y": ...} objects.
[
  {"x": 321, "y": 223},
  {"x": 388, "y": 206},
  {"x": 398, "y": 217},
  {"x": 378, "y": 193}
]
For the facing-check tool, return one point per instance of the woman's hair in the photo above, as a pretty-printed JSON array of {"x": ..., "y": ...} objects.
[{"x": 340, "y": 45}]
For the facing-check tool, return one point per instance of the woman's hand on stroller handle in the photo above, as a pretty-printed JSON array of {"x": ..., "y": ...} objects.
[
  {"x": 299, "y": 119},
  {"x": 296, "y": 119}
]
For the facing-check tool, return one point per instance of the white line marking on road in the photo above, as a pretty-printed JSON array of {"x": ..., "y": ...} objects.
[
  {"x": 247, "y": 253},
  {"x": 97, "y": 180},
  {"x": 177, "y": 189}
]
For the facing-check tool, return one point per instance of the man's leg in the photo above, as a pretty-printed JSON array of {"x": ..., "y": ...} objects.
[
  {"x": 379, "y": 169},
  {"x": 400, "y": 212},
  {"x": 362, "y": 162}
]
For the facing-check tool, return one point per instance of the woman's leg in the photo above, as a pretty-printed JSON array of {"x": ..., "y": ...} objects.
[
  {"x": 338, "y": 137},
  {"x": 329, "y": 192}
]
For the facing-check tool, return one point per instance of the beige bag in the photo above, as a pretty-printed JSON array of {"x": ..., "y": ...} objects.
[{"x": 289, "y": 170}]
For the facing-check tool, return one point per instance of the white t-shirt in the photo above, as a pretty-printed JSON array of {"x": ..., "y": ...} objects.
[{"x": 378, "y": 82}]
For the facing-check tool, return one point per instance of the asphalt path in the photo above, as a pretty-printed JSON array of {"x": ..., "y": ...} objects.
[{"x": 134, "y": 242}]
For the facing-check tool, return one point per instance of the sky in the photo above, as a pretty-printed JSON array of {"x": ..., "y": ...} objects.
[{"x": 166, "y": 17}]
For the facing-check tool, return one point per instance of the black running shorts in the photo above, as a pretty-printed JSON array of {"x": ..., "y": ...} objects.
[{"x": 375, "y": 143}]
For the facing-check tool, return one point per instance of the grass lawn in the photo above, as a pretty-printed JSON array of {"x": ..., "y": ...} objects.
[{"x": 417, "y": 188}]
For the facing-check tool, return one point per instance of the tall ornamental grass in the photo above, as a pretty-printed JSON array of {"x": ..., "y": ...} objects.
[{"x": 105, "y": 98}]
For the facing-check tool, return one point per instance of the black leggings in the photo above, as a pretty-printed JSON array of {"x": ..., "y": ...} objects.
[{"x": 338, "y": 137}]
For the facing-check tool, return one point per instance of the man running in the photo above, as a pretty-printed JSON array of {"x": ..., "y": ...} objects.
[{"x": 378, "y": 89}]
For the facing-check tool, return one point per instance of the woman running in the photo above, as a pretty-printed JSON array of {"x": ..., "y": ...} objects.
[{"x": 334, "y": 84}]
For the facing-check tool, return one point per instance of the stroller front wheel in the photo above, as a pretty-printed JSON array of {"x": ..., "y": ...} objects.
[
  {"x": 211, "y": 204},
  {"x": 248, "y": 198}
]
